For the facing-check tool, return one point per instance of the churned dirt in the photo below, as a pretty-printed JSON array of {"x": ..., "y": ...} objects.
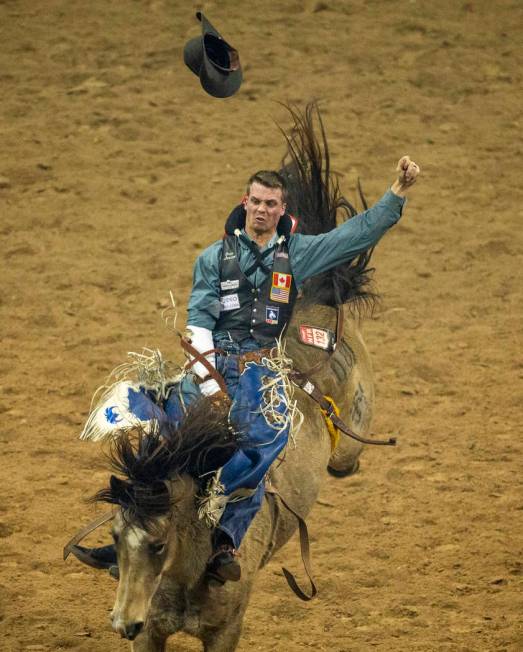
[{"x": 116, "y": 169}]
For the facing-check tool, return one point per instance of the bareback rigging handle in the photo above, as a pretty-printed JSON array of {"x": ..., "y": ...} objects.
[{"x": 200, "y": 357}]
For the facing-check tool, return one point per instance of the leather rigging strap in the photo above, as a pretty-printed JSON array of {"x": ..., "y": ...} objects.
[
  {"x": 301, "y": 380},
  {"x": 81, "y": 534},
  {"x": 304, "y": 544},
  {"x": 200, "y": 357},
  {"x": 340, "y": 318},
  {"x": 304, "y": 548}
]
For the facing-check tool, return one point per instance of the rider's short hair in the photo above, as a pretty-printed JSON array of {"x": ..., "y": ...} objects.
[{"x": 269, "y": 179}]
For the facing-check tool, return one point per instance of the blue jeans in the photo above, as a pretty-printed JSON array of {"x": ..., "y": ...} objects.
[{"x": 259, "y": 442}]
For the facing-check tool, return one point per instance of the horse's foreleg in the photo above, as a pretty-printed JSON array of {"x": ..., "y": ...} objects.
[
  {"x": 148, "y": 641},
  {"x": 225, "y": 636},
  {"x": 223, "y": 640}
]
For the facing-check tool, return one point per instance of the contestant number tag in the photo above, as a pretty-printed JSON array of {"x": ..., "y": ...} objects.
[{"x": 322, "y": 338}]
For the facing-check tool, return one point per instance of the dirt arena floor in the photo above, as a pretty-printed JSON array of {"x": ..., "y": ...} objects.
[{"x": 116, "y": 169}]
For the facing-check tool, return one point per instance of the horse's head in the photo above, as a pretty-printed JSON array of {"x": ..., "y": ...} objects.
[
  {"x": 141, "y": 557},
  {"x": 173, "y": 545},
  {"x": 157, "y": 532}
]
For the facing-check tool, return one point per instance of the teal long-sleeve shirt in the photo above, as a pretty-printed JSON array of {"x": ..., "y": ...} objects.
[{"x": 309, "y": 255}]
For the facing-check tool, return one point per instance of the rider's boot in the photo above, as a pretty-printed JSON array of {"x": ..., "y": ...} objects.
[{"x": 223, "y": 564}]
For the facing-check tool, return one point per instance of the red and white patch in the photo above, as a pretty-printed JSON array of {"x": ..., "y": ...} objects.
[
  {"x": 281, "y": 287},
  {"x": 280, "y": 280},
  {"x": 322, "y": 338}
]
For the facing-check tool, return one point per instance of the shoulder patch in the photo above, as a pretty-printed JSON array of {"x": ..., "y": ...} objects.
[
  {"x": 272, "y": 315},
  {"x": 229, "y": 302},
  {"x": 230, "y": 285}
]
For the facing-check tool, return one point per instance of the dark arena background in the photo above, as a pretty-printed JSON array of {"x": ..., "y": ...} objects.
[{"x": 116, "y": 170}]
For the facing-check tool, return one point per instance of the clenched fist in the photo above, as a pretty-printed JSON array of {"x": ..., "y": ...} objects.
[{"x": 408, "y": 173}]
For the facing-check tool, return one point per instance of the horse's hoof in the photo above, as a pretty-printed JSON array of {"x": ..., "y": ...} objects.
[{"x": 344, "y": 473}]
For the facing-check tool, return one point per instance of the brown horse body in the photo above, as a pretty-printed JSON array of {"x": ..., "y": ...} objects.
[{"x": 163, "y": 590}]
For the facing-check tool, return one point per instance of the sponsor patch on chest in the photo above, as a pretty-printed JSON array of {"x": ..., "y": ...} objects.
[
  {"x": 229, "y": 302},
  {"x": 322, "y": 338},
  {"x": 272, "y": 315},
  {"x": 281, "y": 287},
  {"x": 230, "y": 285}
]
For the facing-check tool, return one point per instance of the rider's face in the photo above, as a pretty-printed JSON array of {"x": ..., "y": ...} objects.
[{"x": 264, "y": 208}]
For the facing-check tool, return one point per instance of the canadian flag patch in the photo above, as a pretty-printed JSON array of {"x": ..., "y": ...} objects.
[{"x": 281, "y": 287}]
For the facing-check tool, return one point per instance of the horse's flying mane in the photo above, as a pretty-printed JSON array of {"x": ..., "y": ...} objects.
[
  {"x": 148, "y": 461},
  {"x": 315, "y": 198}
]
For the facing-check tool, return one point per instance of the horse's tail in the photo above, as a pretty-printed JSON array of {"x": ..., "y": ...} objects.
[{"x": 315, "y": 198}]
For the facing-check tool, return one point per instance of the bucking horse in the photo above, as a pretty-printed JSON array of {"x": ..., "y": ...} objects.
[{"x": 162, "y": 541}]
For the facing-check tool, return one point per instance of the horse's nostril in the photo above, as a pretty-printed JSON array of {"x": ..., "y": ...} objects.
[{"x": 132, "y": 630}]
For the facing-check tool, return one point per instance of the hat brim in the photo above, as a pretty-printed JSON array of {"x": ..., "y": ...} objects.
[{"x": 193, "y": 55}]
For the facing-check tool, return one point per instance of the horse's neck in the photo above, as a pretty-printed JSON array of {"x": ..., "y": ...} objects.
[
  {"x": 189, "y": 537},
  {"x": 304, "y": 356},
  {"x": 332, "y": 372}
]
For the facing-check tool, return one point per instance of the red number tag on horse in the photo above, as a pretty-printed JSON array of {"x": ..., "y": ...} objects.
[{"x": 322, "y": 338}]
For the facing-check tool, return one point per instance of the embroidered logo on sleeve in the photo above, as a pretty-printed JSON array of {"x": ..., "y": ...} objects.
[
  {"x": 323, "y": 338},
  {"x": 230, "y": 285},
  {"x": 272, "y": 315},
  {"x": 112, "y": 415},
  {"x": 281, "y": 287},
  {"x": 229, "y": 302}
]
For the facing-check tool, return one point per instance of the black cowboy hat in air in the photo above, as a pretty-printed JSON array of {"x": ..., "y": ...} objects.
[{"x": 214, "y": 61}]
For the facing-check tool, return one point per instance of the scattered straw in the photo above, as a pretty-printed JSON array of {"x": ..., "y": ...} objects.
[{"x": 278, "y": 391}]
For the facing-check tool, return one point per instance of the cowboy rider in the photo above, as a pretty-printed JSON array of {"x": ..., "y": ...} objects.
[{"x": 244, "y": 288}]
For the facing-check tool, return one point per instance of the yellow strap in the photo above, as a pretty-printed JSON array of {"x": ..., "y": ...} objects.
[{"x": 333, "y": 431}]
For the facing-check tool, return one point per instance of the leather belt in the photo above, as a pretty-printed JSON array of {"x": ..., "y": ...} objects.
[{"x": 253, "y": 356}]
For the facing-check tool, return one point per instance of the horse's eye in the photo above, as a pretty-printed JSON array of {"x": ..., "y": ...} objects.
[
  {"x": 156, "y": 548},
  {"x": 115, "y": 537}
]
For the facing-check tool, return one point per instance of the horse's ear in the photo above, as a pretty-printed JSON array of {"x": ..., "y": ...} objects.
[{"x": 117, "y": 486}]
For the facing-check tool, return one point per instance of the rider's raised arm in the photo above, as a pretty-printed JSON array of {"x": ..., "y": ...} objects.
[
  {"x": 314, "y": 254},
  {"x": 408, "y": 172}
]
